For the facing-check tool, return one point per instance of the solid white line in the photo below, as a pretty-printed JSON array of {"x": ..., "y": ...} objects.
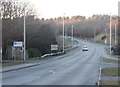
[
  {"x": 99, "y": 76},
  {"x": 52, "y": 71},
  {"x": 32, "y": 80}
]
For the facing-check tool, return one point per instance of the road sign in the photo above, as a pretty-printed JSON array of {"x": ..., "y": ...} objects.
[
  {"x": 18, "y": 44},
  {"x": 54, "y": 47}
]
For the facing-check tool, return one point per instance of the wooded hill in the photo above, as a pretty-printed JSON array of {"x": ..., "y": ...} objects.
[{"x": 41, "y": 33}]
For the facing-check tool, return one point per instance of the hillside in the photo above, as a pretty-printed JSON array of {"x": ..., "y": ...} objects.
[{"x": 40, "y": 33}]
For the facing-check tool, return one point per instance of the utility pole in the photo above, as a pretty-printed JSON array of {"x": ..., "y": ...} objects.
[
  {"x": 94, "y": 34},
  {"x": 110, "y": 35},
  {"x": 106, "y": 35},
  {"x": 115, "y": 35},
  {"x": 72, "y": 35},
  {"x": 1, "y": 37},
  {"x": 63, "y": 33},
  {"x": 24, "y": 35}
]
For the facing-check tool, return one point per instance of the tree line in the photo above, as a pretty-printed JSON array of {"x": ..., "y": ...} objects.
[{"x": 41, "y": 33}]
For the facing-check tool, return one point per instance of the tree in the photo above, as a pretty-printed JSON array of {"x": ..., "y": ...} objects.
[
  {"x": 12, "y": 15},
  {"x": 14, "y": 8}
]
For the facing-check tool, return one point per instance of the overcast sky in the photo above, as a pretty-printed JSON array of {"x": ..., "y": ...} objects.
[{"x": 55, "y": 8}]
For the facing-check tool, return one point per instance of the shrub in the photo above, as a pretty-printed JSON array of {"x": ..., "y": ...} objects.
[{"x": 33, "y": 52}]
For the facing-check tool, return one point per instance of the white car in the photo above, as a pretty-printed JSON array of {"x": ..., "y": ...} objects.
[
  {"x": 69, "y": 37},
  {"x": 84, "y": 48}
]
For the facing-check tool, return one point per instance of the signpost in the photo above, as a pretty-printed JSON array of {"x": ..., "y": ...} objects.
[
  {"x": 54, "y": 47},
  {"x": 17, "y": 50},
  {"x": 17, "y": 44}
]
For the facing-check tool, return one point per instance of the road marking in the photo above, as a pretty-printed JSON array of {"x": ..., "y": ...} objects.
[
  {"x": 32, "y": 80},
  {"x": 99, "y": 76},
  {"x": 51, "y": 71}
]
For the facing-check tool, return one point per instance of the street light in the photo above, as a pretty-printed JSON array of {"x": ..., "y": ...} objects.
[
  {"x": 110, "y": 34},
  {"x": 72, "y": 35},
  {"x": 94, "y": 34},
  {"x": 115, "y": 35},
  {"x": 24, "y": 35},
  {"x": 63, "y": 33},
  {"x": 1, "y": 36},
  {"x": 106, "y": 35}
]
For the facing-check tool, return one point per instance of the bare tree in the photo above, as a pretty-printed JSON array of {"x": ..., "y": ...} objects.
[
  {"x": 12, "y": 12},
  {"x": 14, "y": 8}
]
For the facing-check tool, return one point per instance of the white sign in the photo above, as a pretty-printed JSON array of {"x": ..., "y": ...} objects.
[
  {"x": 54, "y": 47},
  {"x": 18, "y": 44}
]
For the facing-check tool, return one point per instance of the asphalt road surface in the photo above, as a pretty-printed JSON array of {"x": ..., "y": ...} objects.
[{"x": 76, "y": 67}]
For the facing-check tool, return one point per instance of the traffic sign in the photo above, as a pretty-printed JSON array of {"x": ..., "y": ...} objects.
[
  {"x": 18, "y": 44},
  {"x": 54, "y": 47}
]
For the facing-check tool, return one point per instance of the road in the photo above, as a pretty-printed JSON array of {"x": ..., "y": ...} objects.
[{"x": 74, "y": 68}]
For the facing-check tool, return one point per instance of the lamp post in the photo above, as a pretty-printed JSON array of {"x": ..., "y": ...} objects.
[
  {"x": 94, "y": 34},
  {"x": 24, "y": 35},
  {"x": 63, "y": 33},
  {"x": 115, "y": 35},
  {"x": 72, "y": 35},
  {"x": 106, "y": 36},
  {"x": 110, "y": 34},
  {"x": 1, "y": 36}
]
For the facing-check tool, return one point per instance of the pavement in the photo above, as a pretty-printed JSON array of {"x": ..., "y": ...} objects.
[{"x": 108, "y": 65}]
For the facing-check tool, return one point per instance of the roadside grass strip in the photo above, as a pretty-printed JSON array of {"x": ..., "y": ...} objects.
[
  {"x": 109, "y": 60},
  {"x": 11, "y": 63},
  {"x": 112, "y": 83},
  {"x": 60, "y": 41},
  {"x": 116, "y": 56},
  {"x": 112, "y": 71},
  {"x": 67, "y": 42}
]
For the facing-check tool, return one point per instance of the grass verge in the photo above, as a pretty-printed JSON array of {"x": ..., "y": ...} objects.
[
  {"x": 110, "y": 82},
  {"x": 67, "y": 42},
  {"x": 117, "y": 56},
  {"x": 60, "y": 41},
  {"x": 110, "y": 60},
  {"x": 11, "y": 63},
  {"x": 112, "y": 71}
]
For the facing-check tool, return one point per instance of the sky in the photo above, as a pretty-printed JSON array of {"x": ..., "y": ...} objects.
[{"x": 56, "y": 8}]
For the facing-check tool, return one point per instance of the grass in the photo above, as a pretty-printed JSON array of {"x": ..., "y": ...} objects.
[
  {"x": 60, "y": 41},
  {"x": 35, "y": 58},
  {"x": 67, "y": 42},
  {"x": 112, "y": 71},
  {"x": 110, "y": 60},
  {"x": 12, "y": 62},
  {"x": 109, "y": 82},
  {"x": 100, "y": 41},
  {"x": 117, "y": 56}
]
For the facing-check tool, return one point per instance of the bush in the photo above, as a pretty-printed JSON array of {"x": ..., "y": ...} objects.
[
  {"x": 116, "y": 50},
  {"x": 33, "y": 52}
]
